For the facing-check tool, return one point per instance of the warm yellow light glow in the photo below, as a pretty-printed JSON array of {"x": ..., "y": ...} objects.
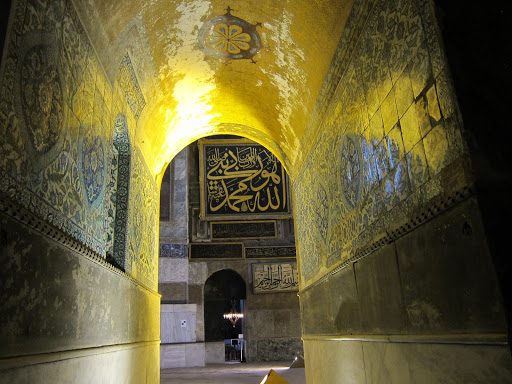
[
  {"x": 193, "y": 94},
  {"x": 233, "y": 317}
]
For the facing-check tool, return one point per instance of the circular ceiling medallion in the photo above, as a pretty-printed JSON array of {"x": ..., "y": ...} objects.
[{"x": 228, "y": 37}]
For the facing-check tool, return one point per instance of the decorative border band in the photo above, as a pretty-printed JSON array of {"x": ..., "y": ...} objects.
[
  {"x": 392, "y": 235},
  {"x": 29, "y": 219}
]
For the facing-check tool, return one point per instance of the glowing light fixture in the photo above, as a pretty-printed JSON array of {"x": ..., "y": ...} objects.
[{"x": 233, "y": 316}]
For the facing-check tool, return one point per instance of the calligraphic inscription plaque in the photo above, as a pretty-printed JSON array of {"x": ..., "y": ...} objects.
[
  {"x": 275, "y": 277},
  {"x": 270, "y": 252},
  {"x": 218, "y": 251},
  {"x": 241, "y": 179},
  {"x": 243, "y": 230}
]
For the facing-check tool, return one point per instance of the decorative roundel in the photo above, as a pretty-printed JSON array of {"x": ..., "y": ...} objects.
[
  {"x": 42, "y": 98},
  {"x": 39, "y": 97},
  {"x": 228, "y": 37}
]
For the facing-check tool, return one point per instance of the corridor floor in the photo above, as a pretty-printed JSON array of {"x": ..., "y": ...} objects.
[{"x": 241, "y": 373}]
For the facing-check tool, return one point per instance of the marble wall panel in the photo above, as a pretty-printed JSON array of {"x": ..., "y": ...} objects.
[
  {"x": 182, "y": 355},
  {"x": 178, "y": 323},
  {"x": 279, "y": 349},
  {"x": 435, "y": 363},
  {"x": 173, "y": 270},
  {"x": 97, "y": 365},
  {"x": 447, "y": 278},
  {"x": 56, "y": 299},
  {"x": 379, "y": 293},
  {"x": 332, "y": 362}
]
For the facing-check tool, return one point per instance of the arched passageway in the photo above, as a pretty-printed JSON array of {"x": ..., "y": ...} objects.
[{"x": 397, "y": 273}]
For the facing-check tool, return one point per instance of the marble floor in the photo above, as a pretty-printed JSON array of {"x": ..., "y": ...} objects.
[{"x": 240, "y": 373}]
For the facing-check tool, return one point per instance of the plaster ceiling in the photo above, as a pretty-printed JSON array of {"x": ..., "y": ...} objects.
[{"x": 268, "y": 100}]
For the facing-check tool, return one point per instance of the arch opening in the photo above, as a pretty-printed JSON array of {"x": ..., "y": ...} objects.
[{"x": 223, "y": 290}]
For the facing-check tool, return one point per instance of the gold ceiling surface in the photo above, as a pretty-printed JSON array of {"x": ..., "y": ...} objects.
[{"x": 267, "y": 96}]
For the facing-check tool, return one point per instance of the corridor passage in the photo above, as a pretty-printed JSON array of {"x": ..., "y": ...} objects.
[{"x": 240, "y": 373}]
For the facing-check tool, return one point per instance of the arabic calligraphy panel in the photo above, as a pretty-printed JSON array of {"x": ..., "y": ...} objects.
[
  {"x": 240, "y": 178},
  {"x": 216, "y": 251},
  {"x": 270, "y": 252},
  {"x": 275, "y": 277},
  {"x": 243, "y": 230}
]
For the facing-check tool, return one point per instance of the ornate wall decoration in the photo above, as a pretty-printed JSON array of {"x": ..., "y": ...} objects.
[
  {"x": 321, "y": 218},
  {"x": 275, "y": 277},
  {"x": 121, "y": 173},
  {"x": 217, "y": 251},
  {"x": 228, "y": 37},
  {"x": 56, "y": 136},
  {"x": 39, "y": 98},
  {"x": 270, "y": 252},
  {"x": 130, "y": 87},
  {"x": 142, "y": 231},
  {"x": 388, "y": 158},
  {"x": 40, "y": 123},
  {"x": 350, "y": 174},
  {"x": 241, "y": 179},
  {"x": 92, "y": 165},
  {"x": 243, "y": 230}
]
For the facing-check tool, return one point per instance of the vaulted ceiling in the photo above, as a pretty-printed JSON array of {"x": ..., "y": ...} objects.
[{"x": 202, "y": 86}]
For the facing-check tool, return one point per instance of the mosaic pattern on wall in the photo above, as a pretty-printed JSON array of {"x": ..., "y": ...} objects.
[
  {"x": 54, "y": 121},
  {"x": 130, "y": 87},
  {"x": 141, "y": 255},
  {"x": 121, "y": 170},
  {"x": 57, "y": 133},
  {"x": 389, "y": 130}
]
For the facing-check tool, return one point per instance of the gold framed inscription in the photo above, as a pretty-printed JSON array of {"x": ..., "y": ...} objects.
[{"x": 241, "y": 179}]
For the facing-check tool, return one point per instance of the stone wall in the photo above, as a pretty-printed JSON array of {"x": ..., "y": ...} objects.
[
  {"x": 394, "y": 261},
  {"x": 272, "y": 321}
]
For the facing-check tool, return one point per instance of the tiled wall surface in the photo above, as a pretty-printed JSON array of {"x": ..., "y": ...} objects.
[
  {"x": 380, "y": 145},
  {"x": 57, "y": 118}
]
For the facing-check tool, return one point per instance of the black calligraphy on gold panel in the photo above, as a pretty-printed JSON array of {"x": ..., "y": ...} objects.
[{"x": 242, "y": 178}]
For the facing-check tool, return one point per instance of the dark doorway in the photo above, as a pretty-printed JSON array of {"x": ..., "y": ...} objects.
[{"x": 225, "y": 292}]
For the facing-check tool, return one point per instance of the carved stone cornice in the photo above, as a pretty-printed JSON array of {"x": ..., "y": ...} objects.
[{"x": 29, "y": 219}]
